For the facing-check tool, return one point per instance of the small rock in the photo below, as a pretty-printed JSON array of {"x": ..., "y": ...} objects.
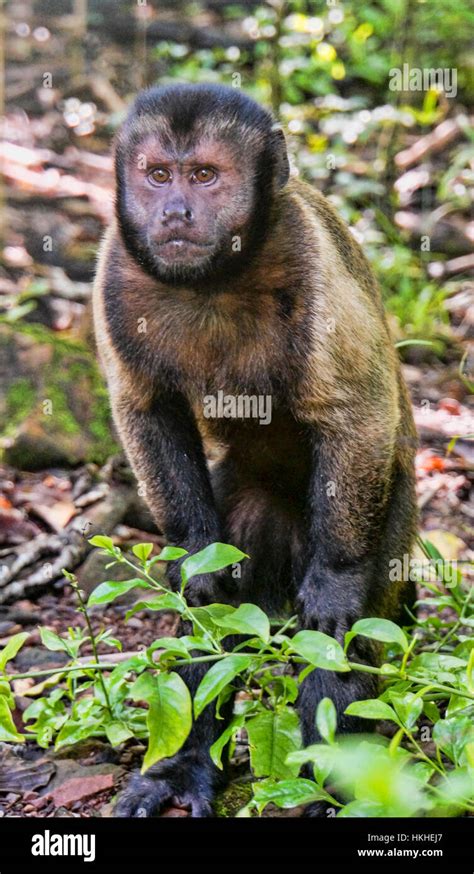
[
  {"x": 24, "y": 617},
  {"x": 7, "y": 628},
  {"x": 451, "y": 406},
  {"x": 24, "y": 604},
  {"x": 35, "y": 657},
  {"x": 172, "y": 812},
  {"x": 134, "y": 623}
]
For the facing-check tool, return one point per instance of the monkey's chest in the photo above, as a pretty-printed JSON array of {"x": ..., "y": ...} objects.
[{"x": 226, "y": 358}]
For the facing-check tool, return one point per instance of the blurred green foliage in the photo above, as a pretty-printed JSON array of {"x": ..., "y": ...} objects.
[{"x": 324, "y": 67}]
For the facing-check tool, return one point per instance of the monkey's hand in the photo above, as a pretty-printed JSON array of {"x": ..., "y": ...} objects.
[
  {"x": 183, "y": 781},
  {"x": 330, "y": 609}
]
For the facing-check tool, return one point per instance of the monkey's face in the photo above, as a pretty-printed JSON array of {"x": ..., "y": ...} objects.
[
  {"x": 197, "y": 168},
  {"x": 190, "y": 207}
]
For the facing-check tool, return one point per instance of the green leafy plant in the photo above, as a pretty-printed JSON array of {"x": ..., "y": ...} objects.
[{"x": 426, "y": 678}]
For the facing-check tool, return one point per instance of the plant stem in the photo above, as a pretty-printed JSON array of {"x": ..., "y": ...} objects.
[
  {"x": 50, "y": 672},
  {"x": 457, "y": 624},
  {"x": 83, "y": 610},
  {"x": 356, "y": 666},
  {"x": 421, "y": 754},
  {"x": 186, "y": 611},
  {"x": 420, "y": 681}
]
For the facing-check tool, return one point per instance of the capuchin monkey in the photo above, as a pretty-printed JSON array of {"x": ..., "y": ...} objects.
[{"x": 222, "y": 277}]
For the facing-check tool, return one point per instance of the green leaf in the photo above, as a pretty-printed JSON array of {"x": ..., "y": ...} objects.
[
  {"x": 247, "y": 619},
  {"x": 170, "y": 553},
  {"x": 455, "y": 704},
  {"x": 437, "y": 662},
  {"x": 432, "y": 550},
  {"x": 8, "y": 731},
  {"x": 72, "y": 732},
  {"x": 326, "y": 720},
  {"x": 102, "y": 542},
  {"x": 213, "y": 558},
  {"x": 320, "y": 650},
  {"x": 470, "y": 671},
  {"x": 287, "y": 793},
  {"x": 217, "y": 677},
  {"x": 423, "y": 771},
  {"x": 365, "y": 808},
  {"x": 168, "y": 601},
  {"x": 143, "y": 688},
  {"x": 408, "y": 707},
  {"x": 372, "y": 708},
  {"x": 134, "y": 663},
  {"x": 381, "y": 629},
  {"x": 456, "y": 787},
  {"x": 169, "y": 718},
  {"x": 452, "y": 735},
  {"x": 112, "y": 589},
  {"x": 219, "y": 745},
  {"x": 115, "y": 642},
  {"x": 273, "y": 735},
  {"x": 6, "y": 692},
  {"x": 387, "y": 668},
  {"x": 117, "y": 732},
  {"x": 52, "y": 641},
  {"x": 142, "y": 550},
  {"x": 431, "y": 711},
  {"x": 190, "y": 641},
  {"x": 322, "y": 757},
  {"x": 208, "y": 616},
  {"x": 13, "y": 646},
  {"x": 173, "y": 645}
]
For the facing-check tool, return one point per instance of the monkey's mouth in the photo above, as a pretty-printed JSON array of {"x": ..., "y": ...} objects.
[{"x": 182, "y": 249}]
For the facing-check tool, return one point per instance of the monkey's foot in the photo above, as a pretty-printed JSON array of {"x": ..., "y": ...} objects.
[{"x": 182, "y": 786}]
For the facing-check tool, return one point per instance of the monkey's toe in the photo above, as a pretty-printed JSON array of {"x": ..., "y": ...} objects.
[
  {"x": 143, "y": 797},
  {"x": 147, "y": 796}
]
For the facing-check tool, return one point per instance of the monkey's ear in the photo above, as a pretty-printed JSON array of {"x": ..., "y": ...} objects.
[{"x": 280, "y": 156}]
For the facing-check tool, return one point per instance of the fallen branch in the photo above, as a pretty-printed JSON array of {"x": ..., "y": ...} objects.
[
  {"x": 463, "y": 264},
  {"x": 435, "y": 141},
  {"x": 63, "y": 551}
]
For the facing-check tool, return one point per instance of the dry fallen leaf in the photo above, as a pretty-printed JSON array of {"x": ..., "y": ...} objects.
[{"x": 57, "y": 516}]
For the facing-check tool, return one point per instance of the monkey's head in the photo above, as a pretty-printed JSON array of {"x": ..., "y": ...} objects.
[{"x": 197, "y": 170}]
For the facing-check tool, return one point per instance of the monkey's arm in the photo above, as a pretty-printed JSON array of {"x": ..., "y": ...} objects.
[
  {"x": 349, "y": 490},
  {"x": 165, "y": 450}
]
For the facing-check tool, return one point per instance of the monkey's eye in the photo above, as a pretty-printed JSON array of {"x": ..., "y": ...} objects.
[
  {"x": 159, "y": 175},
  {"x": 204, "y": 175}
]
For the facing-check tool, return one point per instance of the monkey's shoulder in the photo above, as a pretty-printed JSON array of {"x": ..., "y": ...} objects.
[{"x": 338, "y": 250}]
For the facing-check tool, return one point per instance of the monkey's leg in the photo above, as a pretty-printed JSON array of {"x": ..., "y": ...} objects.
[{"x": 361, "y": 519}]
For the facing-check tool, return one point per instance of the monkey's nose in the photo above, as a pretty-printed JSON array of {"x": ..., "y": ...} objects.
[{"x": 177, "y": 212}]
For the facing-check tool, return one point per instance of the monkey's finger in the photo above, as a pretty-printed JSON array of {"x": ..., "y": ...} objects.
[
  {"x": 200, "y": 807},
  {"x": 143, "y": 798}
]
